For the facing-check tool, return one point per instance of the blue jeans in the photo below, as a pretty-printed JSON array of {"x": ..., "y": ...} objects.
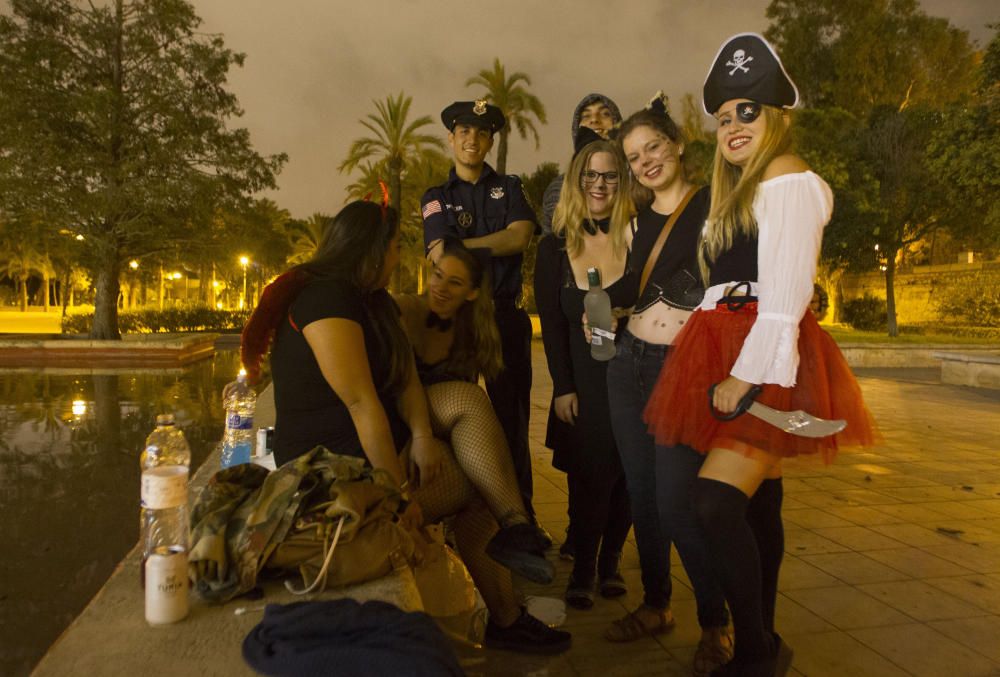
[{"x": 659, "y": 481}]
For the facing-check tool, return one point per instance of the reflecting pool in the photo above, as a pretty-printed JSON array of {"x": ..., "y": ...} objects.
[{"x": 69, "y": 483}]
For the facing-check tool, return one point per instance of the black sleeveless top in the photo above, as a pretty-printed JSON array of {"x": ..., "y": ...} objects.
[
  {"x": 675, "y": 278},
  {"x": 736, "y": 264}
]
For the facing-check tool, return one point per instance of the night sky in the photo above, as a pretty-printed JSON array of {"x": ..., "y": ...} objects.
[{"x": 313, "y": 67}]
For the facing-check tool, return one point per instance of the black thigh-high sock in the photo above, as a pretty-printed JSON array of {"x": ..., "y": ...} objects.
[
  {"x": 721, "y": 511},
  {"x": 764, "y": 517}
]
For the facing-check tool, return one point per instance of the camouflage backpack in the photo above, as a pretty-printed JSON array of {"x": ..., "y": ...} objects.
[{"x": 247, "y": 520}]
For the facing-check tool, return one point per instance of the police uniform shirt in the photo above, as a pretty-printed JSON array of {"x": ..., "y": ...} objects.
[{"x": 464, "y": 210}]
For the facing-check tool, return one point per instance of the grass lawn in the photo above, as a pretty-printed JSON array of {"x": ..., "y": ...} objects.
[{"x": 843, "y": 334}]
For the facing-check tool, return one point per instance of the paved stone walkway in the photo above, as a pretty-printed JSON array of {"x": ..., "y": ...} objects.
[{"x": 892, "y": 563}]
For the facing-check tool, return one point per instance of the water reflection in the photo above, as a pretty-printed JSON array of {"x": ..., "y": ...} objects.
[{"x": 69, "y": 483}]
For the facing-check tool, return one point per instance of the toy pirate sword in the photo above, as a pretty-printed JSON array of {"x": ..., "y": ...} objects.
[{"x": 796, "y": 422}]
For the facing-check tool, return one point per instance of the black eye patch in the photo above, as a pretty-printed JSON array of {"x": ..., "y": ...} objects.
[{"x": 748, "y": 111}]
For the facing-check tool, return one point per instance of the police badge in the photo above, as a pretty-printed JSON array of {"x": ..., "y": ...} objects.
[
  {"x": 496, "y": 193},
  {"x": 480, "y": 107},
  {"x": 464, "y": 219}
]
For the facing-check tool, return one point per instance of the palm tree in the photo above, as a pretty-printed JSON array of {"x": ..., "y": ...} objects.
[
  {"x": 393, "y": 143},
  {"x": 366, "y": 186},
  {"x": 304, "y": 236},
  {"x": 516, "y": 102},
  {"x": 429, "y": 167}
]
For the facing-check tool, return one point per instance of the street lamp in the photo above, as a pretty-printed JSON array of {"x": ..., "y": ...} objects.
[{"x": 244, "y": 261}]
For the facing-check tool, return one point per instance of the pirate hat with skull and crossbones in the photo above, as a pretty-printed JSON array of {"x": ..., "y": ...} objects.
[{"x": 747, "y": 67}]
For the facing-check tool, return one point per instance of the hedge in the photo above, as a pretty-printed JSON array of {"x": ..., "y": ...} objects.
[{"x": 172, "y": 320}]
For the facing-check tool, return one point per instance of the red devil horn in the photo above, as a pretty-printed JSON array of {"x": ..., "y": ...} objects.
[{"x": 385, "y": 193}]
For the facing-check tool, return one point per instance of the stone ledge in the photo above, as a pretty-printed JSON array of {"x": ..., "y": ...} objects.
[
  {"x": 910, "y": 355},
  {"x": 975, "y": 369},
  {"x": 111, "y": 636},
  {"x": 167, "y": 349}
]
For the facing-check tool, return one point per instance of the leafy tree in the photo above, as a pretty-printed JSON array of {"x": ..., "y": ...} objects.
[
  {"x": 518, "y": 105},
  {"x": 910, "y": 194},
  {"x": 862, "y": 54},
  {"x": 534, "y": 185},
  {"x": 875, "y": 76},
  {"x": 699, "y": 147},
  {"x": 394, "y": 145},
  {"x": 536, "y": 182},
  {"x": 965, "y": 151},
  {"x": 114, "y": 119}
]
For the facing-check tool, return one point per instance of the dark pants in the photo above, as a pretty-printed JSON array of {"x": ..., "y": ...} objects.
[
  {"x": 659, "y": 483},
  {"x": 601, "y": 519},
  {"x": 510, "y": 392}
]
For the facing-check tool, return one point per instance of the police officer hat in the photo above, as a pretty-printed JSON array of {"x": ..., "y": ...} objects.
[
  {"x": 477, "y": 113},
  {"x": 747, "y": 67}
]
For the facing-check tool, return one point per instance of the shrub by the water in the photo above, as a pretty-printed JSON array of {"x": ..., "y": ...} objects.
[
  {"x": 867, "y": 313},
  {"x": 171, "y": 320}
]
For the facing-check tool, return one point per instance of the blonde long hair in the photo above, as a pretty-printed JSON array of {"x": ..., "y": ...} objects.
[
  {"x": 734, "y": 189},
  {"x": 567, "y": 222}
]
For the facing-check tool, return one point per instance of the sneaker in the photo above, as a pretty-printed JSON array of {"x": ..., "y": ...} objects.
[
  {"x": 544, "y": 535},
  {"x": 527, "y": 635},
  {"x": 613, "y": 586},
  {"x": 519, "y": 547},
  {"x": 580, "y": 592}
]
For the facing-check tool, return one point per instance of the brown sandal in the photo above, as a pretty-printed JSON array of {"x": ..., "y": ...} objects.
[
  {"x": 630, "y": 627},
  {"x": 714, "y": 650}
]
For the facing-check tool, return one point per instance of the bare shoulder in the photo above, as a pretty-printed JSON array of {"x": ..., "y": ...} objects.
[
  {"x": 410, "y": 305},
  {"x": 785, "y": 164}
]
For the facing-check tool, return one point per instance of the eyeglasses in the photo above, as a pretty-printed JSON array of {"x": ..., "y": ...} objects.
[{"x": 591, "y": 177}]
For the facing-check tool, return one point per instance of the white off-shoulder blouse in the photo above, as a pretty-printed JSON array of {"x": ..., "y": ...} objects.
[{"x": 791, "y": 212}]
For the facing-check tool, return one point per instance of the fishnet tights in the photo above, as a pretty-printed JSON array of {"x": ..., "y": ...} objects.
[
  {"x": 461, "y": 414},
  {"x": 477, "y": 470}
]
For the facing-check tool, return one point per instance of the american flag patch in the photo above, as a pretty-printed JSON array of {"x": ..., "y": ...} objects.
[{"x": 432, "y": 207}]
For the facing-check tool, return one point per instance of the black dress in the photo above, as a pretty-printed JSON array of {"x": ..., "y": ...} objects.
[
  {"x": 560, "y": 308},
  {"x": 586, "y": 451}
]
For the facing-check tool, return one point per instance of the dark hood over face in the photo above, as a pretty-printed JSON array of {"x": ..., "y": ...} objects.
[{"x": 594, "y": 98}]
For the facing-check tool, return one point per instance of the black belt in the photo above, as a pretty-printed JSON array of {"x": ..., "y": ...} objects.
[
  {"x": 738, "y": 296},
  {"x": 639, "y": 348}
]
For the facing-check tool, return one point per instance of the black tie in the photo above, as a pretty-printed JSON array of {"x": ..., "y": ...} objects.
[
  {"x": 591, "y": 226},
  {"x": 434, "y": 320}
]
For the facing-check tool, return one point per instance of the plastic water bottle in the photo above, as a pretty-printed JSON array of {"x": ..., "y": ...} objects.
[
  {"x": 240, "y": 403},
  {"x": 165, "y": 446},
  {"x": 597, "y": 305},
  {"x": 165, "y": 461}
]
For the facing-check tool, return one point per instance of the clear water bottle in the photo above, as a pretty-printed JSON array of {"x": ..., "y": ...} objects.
[
  {"x": 597, "y": 305},
  {"x": 166, "y": 446},
  {"x": 165, "y": 463},
  {"x": 237, "y": 442}
]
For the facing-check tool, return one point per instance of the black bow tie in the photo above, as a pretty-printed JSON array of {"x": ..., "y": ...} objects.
[
  {"x": 591, "y": 226},
  {"x": 436, "y": 321}
]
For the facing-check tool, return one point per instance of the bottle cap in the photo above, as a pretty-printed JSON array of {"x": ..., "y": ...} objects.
[
  {"x": 164, "y": 419},
  {"x": 593, "y": 277}
]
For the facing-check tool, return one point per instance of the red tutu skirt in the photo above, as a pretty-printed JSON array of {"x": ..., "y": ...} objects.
[{"x": 705, "y": 352}]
